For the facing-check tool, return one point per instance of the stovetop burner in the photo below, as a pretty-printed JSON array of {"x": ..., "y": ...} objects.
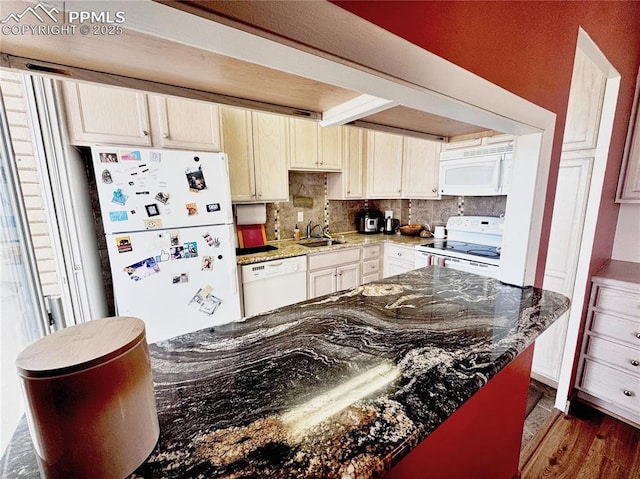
[{"x": 466, "y": 248}]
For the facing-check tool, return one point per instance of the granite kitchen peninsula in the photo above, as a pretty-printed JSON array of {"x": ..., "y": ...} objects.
[{"x": 347, "y": 385}]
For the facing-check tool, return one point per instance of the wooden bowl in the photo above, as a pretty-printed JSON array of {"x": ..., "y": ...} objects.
[{"x": 411, "y": 230}]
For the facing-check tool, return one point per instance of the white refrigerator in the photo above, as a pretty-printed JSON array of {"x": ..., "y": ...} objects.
[{"x": 169, "y": 230}]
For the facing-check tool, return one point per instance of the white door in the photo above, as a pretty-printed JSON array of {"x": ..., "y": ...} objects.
[
  {"x": 24, "y": 319},
  {"x": 572, "y": 194},
  {"x": 564, "y": 244}
]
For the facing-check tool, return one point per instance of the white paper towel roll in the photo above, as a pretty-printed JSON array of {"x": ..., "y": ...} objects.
[{"x": 254, "y": 214}]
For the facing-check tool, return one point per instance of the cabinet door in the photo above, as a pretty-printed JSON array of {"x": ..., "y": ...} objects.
[
  {"x": 105, "y": 115},
  {"x": 322, "y": 282},
  {"x": 421, "y": 168},
  {"x": 188, "y": 124},
  {"x": 393, "y": 267},
  {"x": 303, "y": 141},
  {"x": 271, "y": 156},
  {"x": 348, "y": 276},
  {"x": 237, "y": 143},
  {"x": 330, "y": 148},
  {"x": 629, "y": 182},
  {"x": 350, "y": 183},
  {"x": 384, "y": 162}
]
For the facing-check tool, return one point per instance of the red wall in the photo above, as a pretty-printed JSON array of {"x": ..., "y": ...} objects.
[{"x": 528, "y": 48}]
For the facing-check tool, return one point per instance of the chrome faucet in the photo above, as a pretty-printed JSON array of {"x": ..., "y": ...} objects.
[
  {"x": 311, "y": 228},
  {"x": 325, "y": 233}
]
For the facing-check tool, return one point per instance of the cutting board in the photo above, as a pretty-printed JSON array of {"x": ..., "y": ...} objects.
[{"x": 250, "y": 236}]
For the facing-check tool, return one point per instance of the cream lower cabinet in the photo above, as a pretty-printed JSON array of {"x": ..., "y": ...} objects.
[
  {"x": 105, "y": 115},
  {"x": 256, "y": 144},
  {"x": 333, "y": 271},
  {"x": 609, "y": 369},
  {"x": 371, "y": 259},
  {"x": 398, "y": 259}
]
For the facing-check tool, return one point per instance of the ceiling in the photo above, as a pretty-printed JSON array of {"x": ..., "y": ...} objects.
[{"x": 164, "y": 64}]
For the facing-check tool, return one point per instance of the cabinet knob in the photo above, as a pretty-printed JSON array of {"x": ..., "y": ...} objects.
[
  {"x": 628, "y": 393},
  {"x": 635, "y": 362},
  {"x": 165, "y": 135},
  {"x": 399, "y": 254},
  {"x": 638, "y": 335},
  {"x": 260, "y": 195},
  {"x": 399, "y": 191},
  {"x": 435, "y": 190},
  {"x": 348, "y": 192},
  {"x": 145, "y": 133}
]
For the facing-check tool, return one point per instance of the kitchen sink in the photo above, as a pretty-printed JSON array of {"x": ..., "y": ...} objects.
[{"x": 319, "y": 243}]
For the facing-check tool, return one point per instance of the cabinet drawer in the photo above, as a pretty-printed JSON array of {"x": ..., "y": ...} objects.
[
  {"x": 615, "y": 354},
  {"x": 370, "y": 277},
  {"x": 615, "y": 300},
  {"x": 334, "y": 258},
  {"x": 370, "y": 252},
  {"x": 615, "y": 327},
  {"x": 371, "y": 266},
  {"x": 607, "y": 383},
  {"x": 400, "y": 253}
]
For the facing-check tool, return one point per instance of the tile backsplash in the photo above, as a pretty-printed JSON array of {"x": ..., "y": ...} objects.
[{"x": 340, "y": 215}]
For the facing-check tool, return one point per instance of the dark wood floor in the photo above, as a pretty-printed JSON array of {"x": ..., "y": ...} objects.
[{"x": 585, "y": 445}]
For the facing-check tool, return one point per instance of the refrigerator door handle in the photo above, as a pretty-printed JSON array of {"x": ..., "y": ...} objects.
[{"x": 235, "y": 278}]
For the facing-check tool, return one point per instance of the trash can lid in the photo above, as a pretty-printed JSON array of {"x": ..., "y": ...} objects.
[{"x": 80, "y": 347}]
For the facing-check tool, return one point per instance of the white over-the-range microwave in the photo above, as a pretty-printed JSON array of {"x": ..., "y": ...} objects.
[{"x": 480, "y": 171}]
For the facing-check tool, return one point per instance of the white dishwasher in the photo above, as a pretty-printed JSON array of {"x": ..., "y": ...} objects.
[{"x": 271, "y": 284}]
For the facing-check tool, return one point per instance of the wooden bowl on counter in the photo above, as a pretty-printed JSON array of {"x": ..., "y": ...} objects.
[{"x": 411, "y": 230}]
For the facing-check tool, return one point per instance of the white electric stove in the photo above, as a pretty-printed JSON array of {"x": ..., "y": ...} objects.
[{"x": 472, "y": 244}]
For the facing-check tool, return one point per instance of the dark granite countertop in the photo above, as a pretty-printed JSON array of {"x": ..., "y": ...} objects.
[{"x": 341, "y": 386}]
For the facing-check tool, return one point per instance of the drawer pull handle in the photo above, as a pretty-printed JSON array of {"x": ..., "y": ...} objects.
[
  {"x": 635, "y": 362},
  {"x": 628, "y": 393}
]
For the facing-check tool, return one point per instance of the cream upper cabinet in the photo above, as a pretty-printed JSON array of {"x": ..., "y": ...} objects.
[
  {"x": 188, "y": 124},
  {"x": 271, "y": 156},
  {"x": 349, "y": 184},
  {"x": 256, "y": 144},
  {"x": 384, "y": 165},
  {"x": 99, "y": 114},
  {"x": 420, "y": 168},
  {"x": 330, "y": 148},
  {"x": 303, "y": 139},
  {"x": 629, "y": 182},
  {"x": 237, "y": 143},
  {"x": 629, "y": 189},
  {"x": 314, "y": 148},
  {"x": 586, "y": 98}
]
